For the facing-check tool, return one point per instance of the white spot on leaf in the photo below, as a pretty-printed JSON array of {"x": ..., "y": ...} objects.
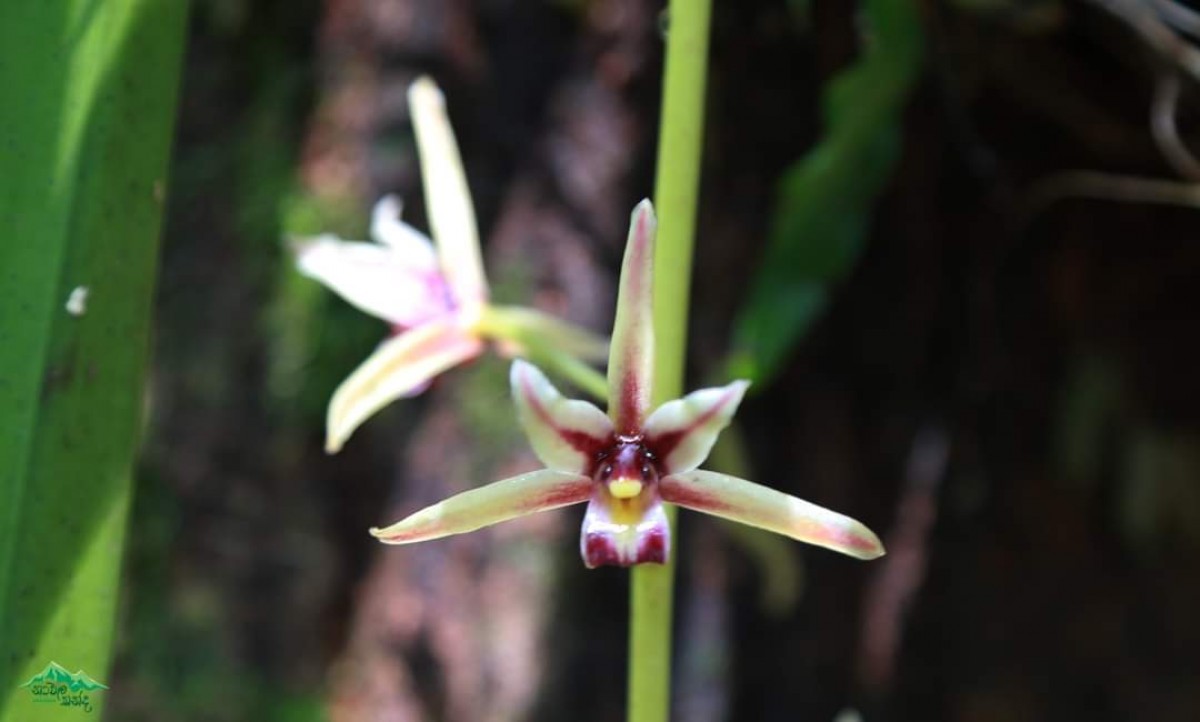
[{"x": 77, "y": 301}]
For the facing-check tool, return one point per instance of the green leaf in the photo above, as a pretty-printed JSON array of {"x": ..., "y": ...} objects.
[
  {"x": 825, "y": 198},
  {"x": 84, "y": 138}
]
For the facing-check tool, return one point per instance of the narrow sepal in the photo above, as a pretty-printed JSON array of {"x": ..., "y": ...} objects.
[
  {"x": 565, "y": 434},
  {"x": 499, "y": 501},
  {"x": 755, "y": 505},
  {"x": 400, "y": 367},
  {"x": 375, "y": 278},
  {"x": 682, "y": 432},
  {"x": 624, "y": 532},
  {"x": 631, "y": 356},
  {"x": 447, "y": 197}
]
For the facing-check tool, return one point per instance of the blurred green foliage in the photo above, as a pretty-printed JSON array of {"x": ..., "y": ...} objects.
[
  {"x": 1102, "y": 438},
  {"x": 1088, "y": 417},
  {"x": 231, "y": 299},
  {"x": 178, "y": 668},
  {"x": 315, "y": 338},
  {"x": 1157, "y": 504},
  {"x": 826, "y": 198},
  {"x": 82, "y": 183}
]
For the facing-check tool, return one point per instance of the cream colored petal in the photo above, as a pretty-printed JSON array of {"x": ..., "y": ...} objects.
[
  {"x": 374, "y": 278},
  {"x": 401, "y": 366},
  {"x": 447, "y": 196},
  {"x": 412, "y": 245},
  {"x": 631, "y": 355},
  {"x": 683, "y": 431},
  {"x": 748, "y": 503},
  {"x": 565, "y": 434},
  {"x": 500, "y": 501}
]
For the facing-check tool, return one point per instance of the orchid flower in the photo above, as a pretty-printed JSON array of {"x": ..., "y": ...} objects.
[
  {"x": 436, "y": 299},
  {"x": 628, "y": 462}
]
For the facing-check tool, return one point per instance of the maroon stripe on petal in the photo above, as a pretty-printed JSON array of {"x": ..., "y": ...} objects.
[
  {"x": 637, "y": 289},
  {"x": 631, "y": 363},
  {"x": 690, "y": 496},
  {"x": 562, "y": 495},
  {"x": 630, "y": 407},
  {"x": 490, "y": 504},
  {"x": 581, "y": 441},
  {"x": 748, "y": 503},
  {"x": 661, "y": 445}
]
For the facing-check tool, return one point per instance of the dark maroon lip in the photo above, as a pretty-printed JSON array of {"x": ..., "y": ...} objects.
[{"x": 600, "y": 551}]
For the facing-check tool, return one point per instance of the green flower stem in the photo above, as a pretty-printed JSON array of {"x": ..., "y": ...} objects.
[{"x": 676, "y": 188}]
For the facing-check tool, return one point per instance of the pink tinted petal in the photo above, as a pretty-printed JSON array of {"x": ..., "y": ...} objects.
[
  {"x": 565, "y": 434},
  {"x": 623, "y": 532},
  {"x": 682, "y": 432},
  {"x": 500, "y": 501},
  {"x": 412, "y": 245},
  {"x": 374, "y": 278},
  {"x": 631, "y": 356},
  {"x": 748, "y": 503},
  {"x": 447, "y": 197},
  {"x": 401, "y": 366}
]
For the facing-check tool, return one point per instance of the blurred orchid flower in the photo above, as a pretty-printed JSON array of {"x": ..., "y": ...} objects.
[
  {"x": 436, "y": 298},
  {"x": 627, "y": 463}
]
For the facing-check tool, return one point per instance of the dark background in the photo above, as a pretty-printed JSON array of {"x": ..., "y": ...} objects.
[{"x": 1003, "y": 383}]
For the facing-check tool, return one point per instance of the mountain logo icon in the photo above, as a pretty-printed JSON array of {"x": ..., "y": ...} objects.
[{"x": 56, "y": 685}]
